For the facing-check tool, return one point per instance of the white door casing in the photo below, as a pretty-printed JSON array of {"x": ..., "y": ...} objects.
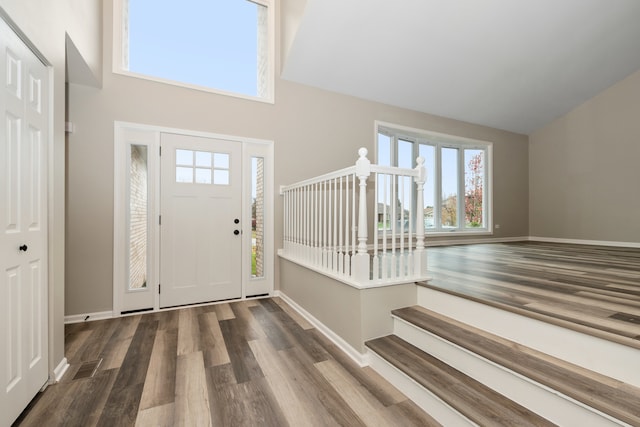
[
  {"x": 135, "y": 134},
  {"x": 24, "y": 106},
  {"x": 201, "y": 220}
]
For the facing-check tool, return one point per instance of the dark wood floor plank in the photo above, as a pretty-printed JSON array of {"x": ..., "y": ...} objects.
[
  {"x": 116, "y": 348},
  {"x": 246, "y": 323},
  {"x": 247, "y": 404},
  {"x": 245, "y": 366},
  {"x": 101, "y": 331},
  {"x": 124, "y": 398},
  {"x": 90, "y": 400},
  {"x": 283, "y": 330}
]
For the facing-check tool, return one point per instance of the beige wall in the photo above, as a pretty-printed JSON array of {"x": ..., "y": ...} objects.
[
  {"x": 314, "y": 132},
  {"x": 47, "y": 24},
  {"x": 585, "y": 169},
  {"x": 355, "y": 315}
]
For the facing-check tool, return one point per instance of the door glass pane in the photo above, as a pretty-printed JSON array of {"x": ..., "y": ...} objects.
[
  {"x": 221, "y": 177},
  {"x": 184, "y": 157},
  {"x": 449, "y": 189},
  {"x": 257, "y": 217},
  {"x": 473, "y": 188},
  {"x": 184, "y": 174},
  {"x": 138, "y": 217},
  {"x": 203, "y": 158},
  {"x": 428, "y": 153},
  {"x": 221, "y": 160},
  {"x": 203, "y": 176}
]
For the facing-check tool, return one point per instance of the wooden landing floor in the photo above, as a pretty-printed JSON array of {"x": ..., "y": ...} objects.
[
  {"x": 592, "y": 289},
  {"x": 250, "y": 363}
]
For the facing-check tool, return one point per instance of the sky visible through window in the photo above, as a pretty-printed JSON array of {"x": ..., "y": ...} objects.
[
  {"x": 449, "y": 182},
  {"x": 211, "y": 43}
]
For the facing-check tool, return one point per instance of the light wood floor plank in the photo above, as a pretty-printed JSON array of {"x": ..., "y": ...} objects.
[
  {"x": 188, "y": 332},
  {"x": 159, "y": 385},
  {"x": 224, "y": 312},
  {"x": 213, "y": 346},
  {"x": 290, "y": 392},
  {"x": 192, "y": 397},
  {"x": 158, "y": 416},
  {"x": 357, "y": 397}
]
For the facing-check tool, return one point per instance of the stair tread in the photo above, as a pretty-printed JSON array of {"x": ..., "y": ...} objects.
[
  {"x": 474, "y": 400},
  {"x": 608, "y": 395}
]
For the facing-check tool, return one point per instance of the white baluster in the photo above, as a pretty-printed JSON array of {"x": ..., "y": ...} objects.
[
  {"x": 361, "y": 262},
  {"x": 420, "y": 256},
  {"x": 376, "y": 256}
]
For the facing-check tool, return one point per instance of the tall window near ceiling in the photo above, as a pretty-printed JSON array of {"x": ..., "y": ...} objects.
[
  {"x": 457, "y": 194},
  {"x": 223, "y": 46}
]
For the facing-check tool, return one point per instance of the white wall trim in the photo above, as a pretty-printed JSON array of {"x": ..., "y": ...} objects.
[
  {"x": 462, "y": 241},
  {"x": 585, "y": 242},
  {"x": 88, "y": 317},
  {"x": 361, "y": 359},
  {"x": 60, "y": 370}
]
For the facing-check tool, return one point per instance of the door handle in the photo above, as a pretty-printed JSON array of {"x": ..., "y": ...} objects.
[
  {"x": 236, "y": 232},
  {"x": 23, "y": 248},
  {"x": 236, "y": 221}
]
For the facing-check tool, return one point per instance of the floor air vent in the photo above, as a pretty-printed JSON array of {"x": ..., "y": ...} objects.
[{"x": 88, "y": 369}]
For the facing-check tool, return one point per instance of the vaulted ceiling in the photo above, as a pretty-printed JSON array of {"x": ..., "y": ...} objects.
[{"x": 509, "y": 64}]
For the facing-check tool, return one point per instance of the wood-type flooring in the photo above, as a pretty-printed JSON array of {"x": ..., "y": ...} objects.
[
  {"x": 592, "y": 289},
  {"x": 248, "y": 363}
]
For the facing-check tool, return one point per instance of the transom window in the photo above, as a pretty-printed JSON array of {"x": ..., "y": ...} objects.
[
  {"x": 202, "y": 167},
  {"x": 224, "y": 46},
  {"x": 458, "y": 187}
]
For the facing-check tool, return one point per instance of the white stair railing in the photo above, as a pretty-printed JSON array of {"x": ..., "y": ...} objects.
[{"x": 326, "y": 223}]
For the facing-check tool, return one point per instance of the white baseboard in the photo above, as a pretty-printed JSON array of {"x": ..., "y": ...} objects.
[
  {"x": 462, "y": 241},
  {"x": 585, "y": 242},
  {"x": 88, "y": 317},
  {"x": 355, "y": 355},
  {"x": 60, "y": 370}
]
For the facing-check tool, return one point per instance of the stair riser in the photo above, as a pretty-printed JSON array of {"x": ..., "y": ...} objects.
[
  {"x": 547, "y": 403},
  {"x": 431, "y": 404},
  {"x": 606, "y": 357}
]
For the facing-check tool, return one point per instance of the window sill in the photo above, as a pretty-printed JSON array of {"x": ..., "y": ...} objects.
[{"x": 266, "y": 100}]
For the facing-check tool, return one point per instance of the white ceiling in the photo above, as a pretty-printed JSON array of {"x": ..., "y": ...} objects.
[{"x": 508, "y": 64}]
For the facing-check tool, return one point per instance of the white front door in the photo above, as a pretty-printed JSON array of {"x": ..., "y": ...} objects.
[
  {"x": 200, "y": 232},
  {"x": 23, "y": 225}
]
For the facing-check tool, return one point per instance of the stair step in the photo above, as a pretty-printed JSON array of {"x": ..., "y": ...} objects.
[
  {"x": 607, "y": 395},
  {"x": 477, "y": 402}
]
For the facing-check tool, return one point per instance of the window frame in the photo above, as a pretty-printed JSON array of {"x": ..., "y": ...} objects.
[
  {"x": 120, "y": 25},
  {"x": 439, "y": 141}
]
